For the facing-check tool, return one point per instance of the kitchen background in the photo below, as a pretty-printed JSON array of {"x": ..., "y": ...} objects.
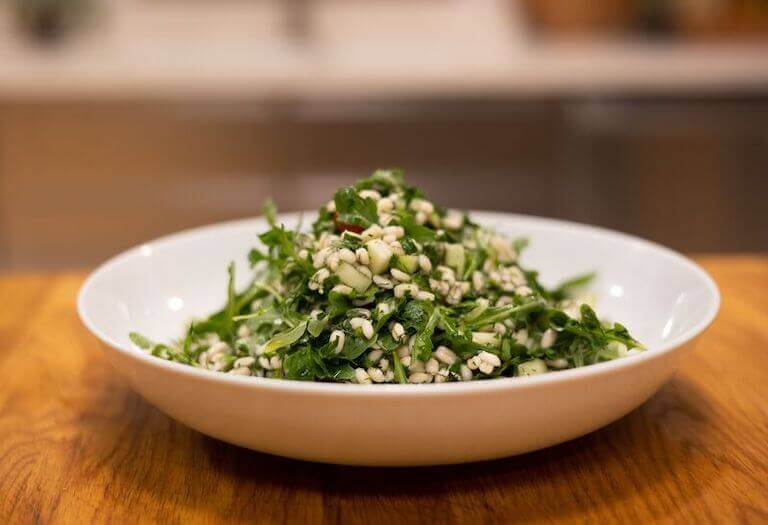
[{"x": 122, "y": 120}]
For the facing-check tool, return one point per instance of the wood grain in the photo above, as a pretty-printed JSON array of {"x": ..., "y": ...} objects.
[{"x": 78, "y": 446}]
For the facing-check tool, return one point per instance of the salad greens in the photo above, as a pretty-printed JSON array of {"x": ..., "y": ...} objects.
[{"x": 387, "y": 287}]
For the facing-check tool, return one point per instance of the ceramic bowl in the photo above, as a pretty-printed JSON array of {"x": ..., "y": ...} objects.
[{"x": 665, "y": 299}]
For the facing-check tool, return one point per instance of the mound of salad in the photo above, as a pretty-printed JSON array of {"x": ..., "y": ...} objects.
[{"x": 387, "y": 287}]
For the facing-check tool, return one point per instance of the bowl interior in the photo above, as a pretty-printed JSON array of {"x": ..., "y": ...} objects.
[{"x": 156, "y": 288}]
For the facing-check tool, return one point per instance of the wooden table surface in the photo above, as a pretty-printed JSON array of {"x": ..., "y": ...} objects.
[{"x": 78, "y": 446}]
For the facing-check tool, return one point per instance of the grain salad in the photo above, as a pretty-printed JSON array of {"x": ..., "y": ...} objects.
[{"x": 388, "y": 287}]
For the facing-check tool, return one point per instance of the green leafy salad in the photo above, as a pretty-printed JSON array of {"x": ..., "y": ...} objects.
[{"x": 387, "y": 287}]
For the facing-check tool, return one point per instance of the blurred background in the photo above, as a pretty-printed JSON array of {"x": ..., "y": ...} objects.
[{"x": 122, "y": 120}]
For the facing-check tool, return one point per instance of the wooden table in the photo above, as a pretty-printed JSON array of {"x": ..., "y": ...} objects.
[{"x": 78, "y": 446}]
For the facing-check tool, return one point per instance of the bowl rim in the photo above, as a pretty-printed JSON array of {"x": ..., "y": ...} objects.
[{"x": 450, "y": 388}]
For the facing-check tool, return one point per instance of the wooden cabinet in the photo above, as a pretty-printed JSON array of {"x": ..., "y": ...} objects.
[{"x": 82, "y": 181}]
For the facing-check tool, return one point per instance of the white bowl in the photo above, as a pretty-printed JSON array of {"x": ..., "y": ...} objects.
[{"x": 665, "y": 299}]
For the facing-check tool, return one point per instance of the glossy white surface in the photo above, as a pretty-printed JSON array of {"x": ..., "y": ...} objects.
[{"x": 665, "y": 299}]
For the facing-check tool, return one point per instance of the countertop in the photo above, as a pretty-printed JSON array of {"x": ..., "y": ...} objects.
[
  {"x": 354, "y": 50},
  {"x": 77, "y": 445}
]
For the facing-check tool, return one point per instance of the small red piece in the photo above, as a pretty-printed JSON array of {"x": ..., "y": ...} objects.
[{"x": 342, "y": 226}]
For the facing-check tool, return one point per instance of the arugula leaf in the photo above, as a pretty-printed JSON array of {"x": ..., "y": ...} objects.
[
  {"x": 141, "y": 341},
  {"x": 620, "y": 334},
  {"x": 270, "y": 212},
  {"x": 475, "y": 312},
  {"x": 586, "y": 341},
  {"x": 301, "y": 365},
  {"x": 589, "y": 318},
  {"x": 284, "y": 339},
  {"x": 519, "y": 245},
  {"x": 254, "y": 315},
  {"x": 410, "y": 193},
  {"x": 450, "y": 326},
  {"x": 227, "y": 323},
  {"x": 349, "y": 241},
  {"x": 565, "y": 289},
  {"x": 409, "y": 245},
  {"x": 316, "y": 326},
  {"x": 388, "y": 343},
  {"x": 337, "y": 371},
  {"x": 422, "y": 344},
  {"x": 556, "y": 318},
  {"x": 279, "y": 240},
  {"x": 400, "y": 375},
  {"x": 255, "y": 256},
  {"x": 415, "y": 314},
  {"x": 159, "y": 350},
  {"x": 499, "y": 313},
  {"x": 187, "y": 345},
  {"x": 383, "y": 179},
  {"x": 353, "y": 209},
  {"x": 354, "y": 346},
  {"x": 338, "y": 305},
  {"x": 533, "y": 281},
  {"x": 413, "y": 229},
  {"x": 255, "y": 291},
  {"x": 475, "y": 259}
]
